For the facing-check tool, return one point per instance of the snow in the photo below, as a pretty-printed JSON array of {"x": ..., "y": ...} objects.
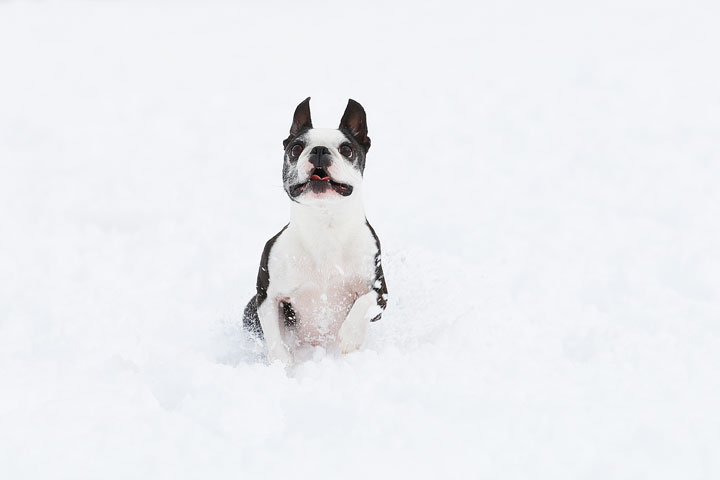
[{"x": 543, "y": 178}]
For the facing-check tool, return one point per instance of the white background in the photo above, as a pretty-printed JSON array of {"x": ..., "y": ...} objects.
[{"x": 544, "y": 180}]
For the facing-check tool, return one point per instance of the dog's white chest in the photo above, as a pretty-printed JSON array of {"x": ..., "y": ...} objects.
[
  {"x": 321, "y": 306},
  {"x": 321, "y": 280}
]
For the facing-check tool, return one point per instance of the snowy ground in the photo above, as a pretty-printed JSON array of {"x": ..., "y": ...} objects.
[{"x": 544, "y": 179}]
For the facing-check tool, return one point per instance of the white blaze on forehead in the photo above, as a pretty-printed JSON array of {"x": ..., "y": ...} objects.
[{"x": 327, "y": 137}]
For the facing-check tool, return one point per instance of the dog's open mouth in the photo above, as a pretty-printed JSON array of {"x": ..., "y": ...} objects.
[
  {"x": 320, "y": 174},
  {"x": 320, "y": 182}
]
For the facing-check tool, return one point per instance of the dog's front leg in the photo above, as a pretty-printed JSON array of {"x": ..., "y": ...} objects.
[
  {"x": 352, "y": 332},
  {"x": 269, "y": 316}
]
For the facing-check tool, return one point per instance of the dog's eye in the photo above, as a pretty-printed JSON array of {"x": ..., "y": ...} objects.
[
  {"x": 296, "y": 150},
  {"x": 345, "y": 151}
]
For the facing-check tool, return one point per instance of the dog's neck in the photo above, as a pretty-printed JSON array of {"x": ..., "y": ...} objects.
[{"x": 319, "y": 226}]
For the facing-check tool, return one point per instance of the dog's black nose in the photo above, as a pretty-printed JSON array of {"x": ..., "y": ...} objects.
[{"x": 320, "y": 157}]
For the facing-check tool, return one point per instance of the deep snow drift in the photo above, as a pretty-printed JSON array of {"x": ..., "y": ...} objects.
[{"x": 544, "y": 181}]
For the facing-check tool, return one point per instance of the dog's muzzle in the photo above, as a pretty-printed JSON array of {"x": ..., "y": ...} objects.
[{"x": 319, "y": 182}]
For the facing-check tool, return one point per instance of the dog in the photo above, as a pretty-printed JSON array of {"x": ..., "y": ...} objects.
[{"x": 320, "y": 280}]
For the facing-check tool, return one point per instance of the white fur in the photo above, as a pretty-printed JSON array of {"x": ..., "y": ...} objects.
[{"x": 323, "y": 263}]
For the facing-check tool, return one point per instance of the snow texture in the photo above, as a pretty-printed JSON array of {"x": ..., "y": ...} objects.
[{"x": 544, "y": 180}]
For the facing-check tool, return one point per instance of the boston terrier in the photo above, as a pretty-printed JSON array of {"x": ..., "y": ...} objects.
[{"x": 320, "y": 280}]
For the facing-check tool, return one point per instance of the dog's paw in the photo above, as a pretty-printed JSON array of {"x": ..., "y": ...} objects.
[
  {"x": 350, "y": 339},
  {"x": 349, "y": 346},
  {"x": 280, "y": 353}
]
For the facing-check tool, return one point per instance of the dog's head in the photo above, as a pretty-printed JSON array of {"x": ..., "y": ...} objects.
[{"x": 325, "y": 165}]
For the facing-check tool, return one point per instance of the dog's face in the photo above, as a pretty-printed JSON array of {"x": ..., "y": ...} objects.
[{"x": 325, "y": 165}]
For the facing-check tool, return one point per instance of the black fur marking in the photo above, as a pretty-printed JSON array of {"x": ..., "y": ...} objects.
[
  {"x": 288, "y": 312},
  {"x": 251, "y": 321},
  {"x": 380, "y": 290},
  {"x": 293, "y": 136},
  {"x": 359, "y": 150},
  {"x": 289, "y": 174}
]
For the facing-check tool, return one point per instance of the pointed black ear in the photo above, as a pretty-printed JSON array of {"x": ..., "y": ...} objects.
[
  {"x": 354, "y": 121},
  {"x": 301, "y": 120}
]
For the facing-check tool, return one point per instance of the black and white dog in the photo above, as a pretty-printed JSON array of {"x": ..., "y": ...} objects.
[{"x": 320, "y": 280}]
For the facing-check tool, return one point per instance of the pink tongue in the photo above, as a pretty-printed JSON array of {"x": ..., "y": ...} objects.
[{"x": 317, "y": 177}]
